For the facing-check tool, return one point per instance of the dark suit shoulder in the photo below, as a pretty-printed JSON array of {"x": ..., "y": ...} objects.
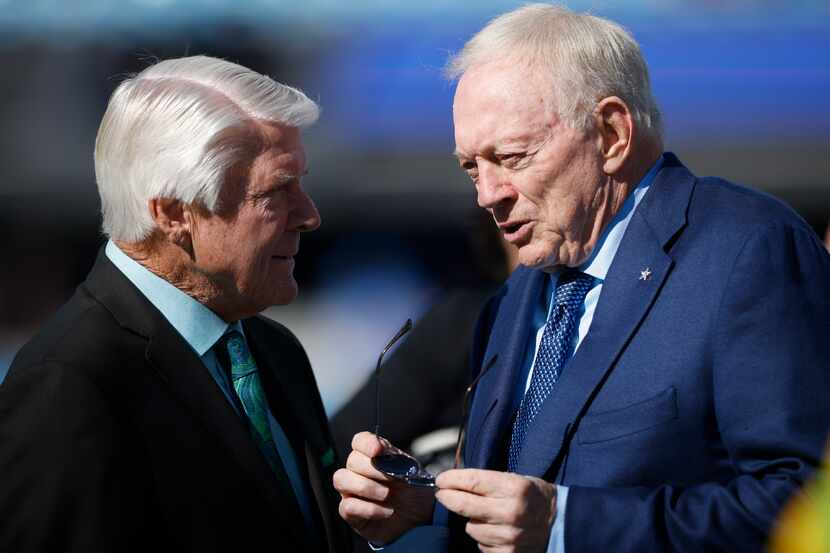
[
  {"x": 280, "y": 331},
  {"x": 81, "y": 334},
  {"x": 722, "y": 202}
]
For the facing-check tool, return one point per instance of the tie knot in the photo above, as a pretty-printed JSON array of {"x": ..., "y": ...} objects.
[
  {"x": 572, "y": 287},
  {"x": 241, "y": 361}
]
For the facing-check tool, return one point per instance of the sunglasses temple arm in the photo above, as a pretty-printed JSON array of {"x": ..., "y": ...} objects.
[
  {"x": 465, "y": 413},
  {"x": 404, "y": 329},
  {"x": 377, "y": 395}
]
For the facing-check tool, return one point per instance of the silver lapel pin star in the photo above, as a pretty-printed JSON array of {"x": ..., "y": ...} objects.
[{"x": 645, "y": 274}]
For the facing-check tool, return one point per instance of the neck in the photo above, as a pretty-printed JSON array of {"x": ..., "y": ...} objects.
[
  {"x": 608, "y": 201},
  {"x": 624, "y": 182},
  {"x": 176, "y": 266},
  {"x": 648, "y": 151}
]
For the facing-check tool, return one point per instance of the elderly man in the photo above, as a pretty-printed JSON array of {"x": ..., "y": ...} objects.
[
  {"x": 156, "y": 411},
  {"x": 659, "y": 376}
]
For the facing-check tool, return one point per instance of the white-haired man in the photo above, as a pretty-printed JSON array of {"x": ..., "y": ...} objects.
[
  {"x": 659, "y": 375},
  {"x": 156, "y": 411}
]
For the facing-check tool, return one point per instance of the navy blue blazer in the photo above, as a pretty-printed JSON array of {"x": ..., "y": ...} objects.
[{"x": 698, "y": 401}]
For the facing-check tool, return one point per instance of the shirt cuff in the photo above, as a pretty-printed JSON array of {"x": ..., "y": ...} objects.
[{"x": 556, "y": 543}]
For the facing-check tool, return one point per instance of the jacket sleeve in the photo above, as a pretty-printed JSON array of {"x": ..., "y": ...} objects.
[
  {"x": 67, "y": 482},
  {"x": 771, "y": 382}
]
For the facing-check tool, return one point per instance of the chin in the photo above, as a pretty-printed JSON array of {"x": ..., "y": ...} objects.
[
  {"x": 538, "y": 258},
  {"x": 284, "y": 293}
]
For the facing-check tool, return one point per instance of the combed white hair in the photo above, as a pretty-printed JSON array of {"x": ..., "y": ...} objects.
[
  {"x": 169, "y": 131},
  {"x": 588, "y": 58}
]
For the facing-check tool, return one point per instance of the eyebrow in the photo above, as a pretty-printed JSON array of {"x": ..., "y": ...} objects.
[
  {"x": 284, "y": 176},
  {"x": 526, "y": 141}
]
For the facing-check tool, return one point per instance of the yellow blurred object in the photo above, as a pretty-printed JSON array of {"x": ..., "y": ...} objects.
[{"x": 804, "y": 523}]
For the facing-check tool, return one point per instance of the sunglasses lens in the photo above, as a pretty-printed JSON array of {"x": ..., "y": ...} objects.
[
  {"x": 395, "y": 465},
  {"x": 403, "y": 467},
  {"x": 421, "y": 480}
]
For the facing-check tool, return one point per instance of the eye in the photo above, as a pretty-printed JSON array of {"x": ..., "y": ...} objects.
[
  {"x": 511, "y": 160},
  {"x": 471, "y": 168},
  {"x": 270, "y": 197}
]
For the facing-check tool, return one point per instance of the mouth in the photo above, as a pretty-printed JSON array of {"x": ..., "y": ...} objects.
[
  {"x": 282, "y": 257},
  {"x": 515, "y": 231}
]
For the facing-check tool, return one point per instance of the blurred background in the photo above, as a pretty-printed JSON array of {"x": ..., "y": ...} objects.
[{"x": 741, "y": 83}]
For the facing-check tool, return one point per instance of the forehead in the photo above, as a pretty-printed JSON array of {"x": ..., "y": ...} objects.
[
  {"x": 274, "y": 152},
  {"x": 281, "y": 147},
  {"x": 280, "y": 155},
  {"x": 501, "y": 102}
]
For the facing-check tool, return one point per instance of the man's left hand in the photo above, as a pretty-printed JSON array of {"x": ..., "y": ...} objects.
[{"x": 507, "y": 512}]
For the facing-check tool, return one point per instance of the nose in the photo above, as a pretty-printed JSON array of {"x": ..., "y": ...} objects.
[
  {"x": 305, "y": 216},
  {"x": 493, "y": 187}
]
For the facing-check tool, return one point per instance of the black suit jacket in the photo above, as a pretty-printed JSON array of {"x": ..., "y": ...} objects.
[{"x": 115, "y": 437}]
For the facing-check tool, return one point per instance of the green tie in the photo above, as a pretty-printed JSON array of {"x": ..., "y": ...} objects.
[{"x": 248, "y": 387}]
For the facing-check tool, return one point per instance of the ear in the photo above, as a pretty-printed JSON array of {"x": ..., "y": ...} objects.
[
  {"x": 616, "y": 130},
  {"x": 174, "y": 220}
]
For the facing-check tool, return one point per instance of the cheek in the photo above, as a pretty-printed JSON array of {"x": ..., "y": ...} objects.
[
  {"x": 271, "y": 219},
  {"x": 211, "y": 244}
]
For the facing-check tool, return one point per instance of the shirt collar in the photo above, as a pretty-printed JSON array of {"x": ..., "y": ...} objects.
[
  {"x": 199, "y": 326},
  {"x": 600, "y": 260}
]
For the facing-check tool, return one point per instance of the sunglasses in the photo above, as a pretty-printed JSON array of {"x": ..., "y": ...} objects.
[{"x": 398, "y": 464}]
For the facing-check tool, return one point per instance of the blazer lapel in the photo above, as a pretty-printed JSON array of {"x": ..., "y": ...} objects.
[
  {"x": 294, "y": 401},
  {"x": 492, "y": 406},
  {"x": 187, "y": 377},
  {"x": 632, "y": 284}
]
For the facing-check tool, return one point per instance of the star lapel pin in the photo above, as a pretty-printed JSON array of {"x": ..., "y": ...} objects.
[{"x": 645, "y": 274}]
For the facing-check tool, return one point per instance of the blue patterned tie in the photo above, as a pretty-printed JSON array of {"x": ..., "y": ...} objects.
[
  {"x": 554, "y": 352},
  {"x": 243, "y": 372}
]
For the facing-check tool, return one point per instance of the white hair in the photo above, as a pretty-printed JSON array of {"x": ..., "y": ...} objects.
[
  {"x": 588, "y": 58},
  {"x": 173, "y": 131}
]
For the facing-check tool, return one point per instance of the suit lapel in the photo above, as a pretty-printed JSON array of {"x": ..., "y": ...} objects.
[
  {"x": 284, "y": 370},
  {"x": 492, "y": 406},
  {"x": 188, "y": 378},
  {"x": 190, "y": 381},
  {"x": 627, "y": 295},
  {"x": 623, "y": 303}
]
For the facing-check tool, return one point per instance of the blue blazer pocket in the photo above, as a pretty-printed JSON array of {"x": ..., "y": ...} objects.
[{"x": 608, "y": 425}]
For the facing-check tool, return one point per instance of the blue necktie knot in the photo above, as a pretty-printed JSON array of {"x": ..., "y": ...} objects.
[{"x": 572, "y": 288}]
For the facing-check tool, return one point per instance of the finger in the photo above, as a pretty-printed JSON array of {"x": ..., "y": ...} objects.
[
  {"x": 483, "y": 482},
  {"x": 367, "y": 444},
  {"x": 493, "y": 535},
  {"x": 362, "y": 464},
  {"x": 473, "y": 506},
  {"x": 353, "y": 484},
  {"x": 495, "y": 549},
  {"x": 357, "y": 512}
]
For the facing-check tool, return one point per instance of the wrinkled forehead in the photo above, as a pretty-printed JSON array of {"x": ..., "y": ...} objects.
[
  {"x": 281, "y": 147},
  {"x": 256, "y": 137},
  {"x": 508, "y": 78},
  {"x": 270, "y": 152},
  {"x": 501, "y": 97}
]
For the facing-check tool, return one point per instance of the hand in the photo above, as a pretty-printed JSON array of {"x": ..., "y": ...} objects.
[
  {"x": 379, "y": 508},
  {"x": 507, "y": 512}
]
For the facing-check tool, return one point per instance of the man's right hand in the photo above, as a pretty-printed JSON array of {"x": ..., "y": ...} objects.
[{"x": 379, "y": 508}]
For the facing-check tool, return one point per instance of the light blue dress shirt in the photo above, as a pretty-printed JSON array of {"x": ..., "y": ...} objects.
[
  {"x": 201, "y": 328},
  {"x": 597, "y": 266}
]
